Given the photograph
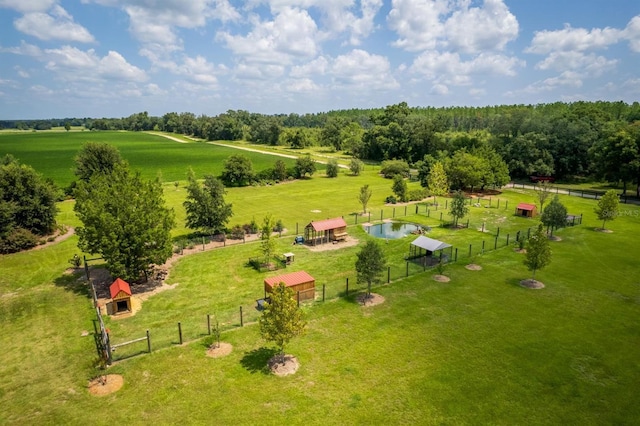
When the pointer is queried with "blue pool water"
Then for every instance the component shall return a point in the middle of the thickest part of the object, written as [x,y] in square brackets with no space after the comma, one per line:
[392,230]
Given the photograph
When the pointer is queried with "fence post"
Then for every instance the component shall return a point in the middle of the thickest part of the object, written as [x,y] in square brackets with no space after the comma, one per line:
[428,213]
[416,209]
[506,204]
[347,292]
[202,243]
[388,274]
[407,269]
[456,258]
[482,226]
[148,342]
[298,297]
[209,324]
[469,250]
[381,211]
[482,246]
[446,204]
[489,202]
[323,291]
[394,212]
[495,244]
[528,233]
[441,218]
[405,210]
[241,318]
[356,218]
[180,332]
[498,204]
[467,223]
[498,232]
[507,239]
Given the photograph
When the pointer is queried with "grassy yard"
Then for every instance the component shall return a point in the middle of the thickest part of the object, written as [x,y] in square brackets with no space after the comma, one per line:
[478,350]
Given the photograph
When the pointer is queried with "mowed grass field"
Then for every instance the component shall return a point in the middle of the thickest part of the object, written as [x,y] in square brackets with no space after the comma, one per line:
[478,350]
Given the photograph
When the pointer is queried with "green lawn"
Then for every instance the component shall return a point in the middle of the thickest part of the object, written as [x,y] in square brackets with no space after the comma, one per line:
[478,350]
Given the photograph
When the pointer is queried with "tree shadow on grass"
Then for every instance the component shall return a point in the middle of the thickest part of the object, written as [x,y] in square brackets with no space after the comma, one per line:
[74,282]
[256,361]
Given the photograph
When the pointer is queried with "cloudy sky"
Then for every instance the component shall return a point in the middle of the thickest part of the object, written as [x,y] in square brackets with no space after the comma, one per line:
[111,58]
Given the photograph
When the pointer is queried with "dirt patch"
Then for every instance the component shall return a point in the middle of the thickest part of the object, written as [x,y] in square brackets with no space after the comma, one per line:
[531,283]
[521,251]
[473,267]
[348,242]
[441,278]
[104,385]
[283,366]
[218,352]
[56,238]
[555,238]
[372,299]
[604,231]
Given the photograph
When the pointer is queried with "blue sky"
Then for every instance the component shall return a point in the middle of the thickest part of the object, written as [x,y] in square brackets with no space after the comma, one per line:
[112,58]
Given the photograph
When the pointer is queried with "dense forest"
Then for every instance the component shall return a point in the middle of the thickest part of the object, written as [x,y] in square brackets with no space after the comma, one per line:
[599,140]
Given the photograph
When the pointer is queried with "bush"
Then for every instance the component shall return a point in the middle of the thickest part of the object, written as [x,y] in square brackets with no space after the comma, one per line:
[17,240]
[279,226]
[332,168]
[417,194]
[390,200]
[390,168]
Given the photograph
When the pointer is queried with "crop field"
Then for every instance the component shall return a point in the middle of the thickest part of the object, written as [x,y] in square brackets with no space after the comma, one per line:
[477,350]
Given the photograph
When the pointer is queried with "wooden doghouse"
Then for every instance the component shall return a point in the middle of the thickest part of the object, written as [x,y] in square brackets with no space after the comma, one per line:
[526,210]
[300,282]
[120,296]
[325,231]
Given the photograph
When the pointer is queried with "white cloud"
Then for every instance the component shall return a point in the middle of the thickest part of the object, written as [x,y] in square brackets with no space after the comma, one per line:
[632,33]
[154,89]
[592,64]
[292,34]
[55,25]
[317,66]
[27,6]
[568,79]
[432,24]
[302,85]
[573,39]
[449,67]
[439,90]
[362,70]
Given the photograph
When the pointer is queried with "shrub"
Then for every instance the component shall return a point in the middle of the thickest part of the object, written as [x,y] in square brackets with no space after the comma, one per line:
[17,240]
[390,168]
[417,194]
[279,226]
[390,200]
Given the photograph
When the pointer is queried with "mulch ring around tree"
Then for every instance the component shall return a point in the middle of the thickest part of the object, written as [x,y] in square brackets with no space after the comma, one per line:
[555,238]
[372,299]
[441,278]
[219,351]
[104,385]
[283,365]
[473,267]
[605,231]
[531,283]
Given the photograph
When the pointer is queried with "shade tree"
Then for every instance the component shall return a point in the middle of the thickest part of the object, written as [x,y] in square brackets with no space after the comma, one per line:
[554,215]
[205,204]
[370,264]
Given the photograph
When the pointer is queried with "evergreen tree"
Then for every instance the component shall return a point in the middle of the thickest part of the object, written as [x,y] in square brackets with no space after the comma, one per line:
[205,205]
[399,188]
[554,215]
[268,245]
[437,182]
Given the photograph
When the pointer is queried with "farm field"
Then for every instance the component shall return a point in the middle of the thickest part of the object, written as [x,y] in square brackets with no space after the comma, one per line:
[479,349]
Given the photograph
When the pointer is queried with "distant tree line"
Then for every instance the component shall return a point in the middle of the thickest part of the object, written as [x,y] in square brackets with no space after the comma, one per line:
[566,140]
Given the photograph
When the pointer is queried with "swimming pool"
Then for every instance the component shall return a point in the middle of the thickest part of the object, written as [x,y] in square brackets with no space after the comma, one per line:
[393,230]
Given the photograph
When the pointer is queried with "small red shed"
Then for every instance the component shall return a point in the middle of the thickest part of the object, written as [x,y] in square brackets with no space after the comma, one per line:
[324,231]
[526,210]
[121,296]
[300,282]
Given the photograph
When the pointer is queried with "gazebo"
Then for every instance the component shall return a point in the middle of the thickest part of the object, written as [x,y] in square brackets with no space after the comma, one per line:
[120,296]
[526,210]
[303,284]
[324,231]
[425,247]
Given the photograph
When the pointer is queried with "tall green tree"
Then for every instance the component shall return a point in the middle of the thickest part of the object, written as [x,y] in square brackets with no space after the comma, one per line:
[399,188]
[538,251]
[267,243]
[125,220]
[608,207]
[364,196]
[205,204]
[96,158]
[554,215]
[356,166]
[237,170]
[459,208]
[437,181]
[466,170]
[280,170]
[282,319]
[370,264]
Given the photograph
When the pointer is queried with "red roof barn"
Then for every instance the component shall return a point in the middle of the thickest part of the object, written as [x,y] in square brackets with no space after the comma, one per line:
[324,231]
[300,282]
[526,210]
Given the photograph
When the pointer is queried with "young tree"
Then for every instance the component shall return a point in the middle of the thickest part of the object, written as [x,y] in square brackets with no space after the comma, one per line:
[543,191]
[125,220]
[608,207]
[554,215]
[282,319]
[399,188]
[268,244]
[538,251]
[437,182]
[356,166]
[95,157]
[280,170]
[459,208]
[364,197]
[205,205]
[332,168]
[238,170]
[370,264]
[305,165]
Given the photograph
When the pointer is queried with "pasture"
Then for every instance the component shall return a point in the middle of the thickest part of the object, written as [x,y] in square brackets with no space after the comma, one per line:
[480,349]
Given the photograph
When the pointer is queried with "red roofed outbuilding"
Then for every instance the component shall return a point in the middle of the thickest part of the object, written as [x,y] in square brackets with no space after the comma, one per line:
[120,295]
[526,210]
[324,231]
[300,282]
